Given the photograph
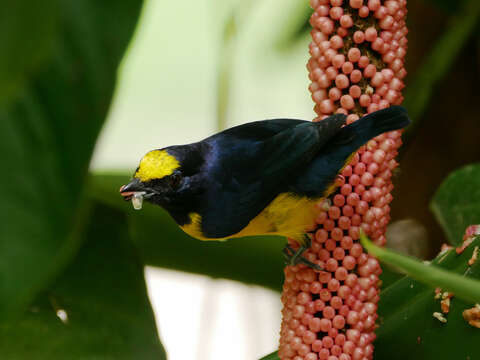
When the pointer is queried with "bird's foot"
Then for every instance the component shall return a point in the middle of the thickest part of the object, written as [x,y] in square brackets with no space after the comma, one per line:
[293,257]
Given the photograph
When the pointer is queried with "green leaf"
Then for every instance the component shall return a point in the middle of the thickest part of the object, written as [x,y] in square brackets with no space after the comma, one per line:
[456,204]
[389,275]
[26,40]
[432,275]
[252,260]
[272,356]
[408,329]
[49,133]
[104,296]
[439,60]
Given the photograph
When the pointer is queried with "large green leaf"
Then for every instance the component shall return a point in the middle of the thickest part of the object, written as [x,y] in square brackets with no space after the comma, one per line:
[253,260]
[272,356]
[104,297]
[408,329]
[26,40]
[47,135]
[456,203]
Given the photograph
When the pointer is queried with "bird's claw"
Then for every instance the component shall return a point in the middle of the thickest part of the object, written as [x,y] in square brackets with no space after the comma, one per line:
[293,257]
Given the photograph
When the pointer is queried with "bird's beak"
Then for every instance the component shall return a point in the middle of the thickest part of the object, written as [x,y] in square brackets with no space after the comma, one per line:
[134,186]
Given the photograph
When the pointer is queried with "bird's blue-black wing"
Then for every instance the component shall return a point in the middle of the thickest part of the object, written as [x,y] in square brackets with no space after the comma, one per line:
[321,172]
[248,171]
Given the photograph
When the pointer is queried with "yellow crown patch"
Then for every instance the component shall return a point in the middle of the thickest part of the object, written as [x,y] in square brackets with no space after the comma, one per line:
[156,164]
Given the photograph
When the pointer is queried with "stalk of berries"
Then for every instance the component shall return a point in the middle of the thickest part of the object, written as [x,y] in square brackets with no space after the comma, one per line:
[356,67]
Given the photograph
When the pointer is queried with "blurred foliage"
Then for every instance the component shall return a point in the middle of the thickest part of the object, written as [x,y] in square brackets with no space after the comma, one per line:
[296,26]
[104,296]
[23,49]
[49,130]
[456,203]
[48,127]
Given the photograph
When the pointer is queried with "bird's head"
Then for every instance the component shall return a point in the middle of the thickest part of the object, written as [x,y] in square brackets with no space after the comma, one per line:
[157,178]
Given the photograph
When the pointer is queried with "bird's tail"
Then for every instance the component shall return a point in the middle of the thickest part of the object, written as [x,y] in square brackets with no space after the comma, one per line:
[372,125]
[318,178]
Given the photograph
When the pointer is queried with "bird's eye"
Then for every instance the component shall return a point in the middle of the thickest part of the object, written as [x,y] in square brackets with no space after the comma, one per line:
[174,180]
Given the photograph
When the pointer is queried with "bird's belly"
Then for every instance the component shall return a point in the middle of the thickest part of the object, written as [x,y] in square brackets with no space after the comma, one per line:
[287,215]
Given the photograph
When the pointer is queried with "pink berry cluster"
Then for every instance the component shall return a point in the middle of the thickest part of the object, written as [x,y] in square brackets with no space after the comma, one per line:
[356,67]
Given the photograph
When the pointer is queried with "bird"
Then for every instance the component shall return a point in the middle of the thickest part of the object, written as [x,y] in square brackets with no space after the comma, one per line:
[260,178]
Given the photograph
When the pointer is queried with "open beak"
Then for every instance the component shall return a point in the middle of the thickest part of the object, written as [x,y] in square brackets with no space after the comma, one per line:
[134,186]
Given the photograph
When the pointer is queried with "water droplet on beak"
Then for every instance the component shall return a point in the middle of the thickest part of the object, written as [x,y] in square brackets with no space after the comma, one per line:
[62,315]
[137,200]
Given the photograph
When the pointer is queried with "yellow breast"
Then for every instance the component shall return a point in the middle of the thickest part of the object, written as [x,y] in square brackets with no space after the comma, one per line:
[287,215]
